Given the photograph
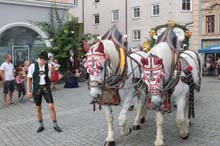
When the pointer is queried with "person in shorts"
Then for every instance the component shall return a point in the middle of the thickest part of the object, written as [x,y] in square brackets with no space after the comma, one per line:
[7,75]
[39,73]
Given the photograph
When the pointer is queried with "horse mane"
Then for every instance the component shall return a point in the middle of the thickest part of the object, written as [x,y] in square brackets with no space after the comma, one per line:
[168,36]
[163,51]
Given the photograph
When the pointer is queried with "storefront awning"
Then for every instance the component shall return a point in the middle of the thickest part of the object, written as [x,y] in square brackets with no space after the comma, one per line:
[210,49]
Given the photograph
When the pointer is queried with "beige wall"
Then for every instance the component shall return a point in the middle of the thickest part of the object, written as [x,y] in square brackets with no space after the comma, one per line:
[76,11]
[169,10]
[207,7]
[195,31]
[104,9]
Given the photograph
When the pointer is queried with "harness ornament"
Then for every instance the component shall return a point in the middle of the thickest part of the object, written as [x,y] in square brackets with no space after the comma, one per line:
[152,72]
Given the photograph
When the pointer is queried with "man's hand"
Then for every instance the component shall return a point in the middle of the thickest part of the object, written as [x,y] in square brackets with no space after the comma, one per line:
[29,94]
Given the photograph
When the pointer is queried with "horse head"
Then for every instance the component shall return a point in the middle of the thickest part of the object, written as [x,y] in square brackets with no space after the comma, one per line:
[95,64]
[153,75]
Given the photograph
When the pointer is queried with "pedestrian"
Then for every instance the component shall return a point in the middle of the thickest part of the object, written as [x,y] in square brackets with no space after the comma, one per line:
[70,79]
[54,77]
[26,66]
[7,75]
[218,67]
[40,75]
[20,79]
[56,74]
[25,70]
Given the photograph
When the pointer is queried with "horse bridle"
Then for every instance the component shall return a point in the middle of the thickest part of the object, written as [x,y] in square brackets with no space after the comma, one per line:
[93,83]
[120,85]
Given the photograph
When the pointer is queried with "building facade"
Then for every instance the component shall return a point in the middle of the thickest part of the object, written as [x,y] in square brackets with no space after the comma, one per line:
[134,18]
[19,35]
[206,30]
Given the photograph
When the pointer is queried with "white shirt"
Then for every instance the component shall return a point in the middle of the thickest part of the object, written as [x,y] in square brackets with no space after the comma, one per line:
[8,69]
[31,71]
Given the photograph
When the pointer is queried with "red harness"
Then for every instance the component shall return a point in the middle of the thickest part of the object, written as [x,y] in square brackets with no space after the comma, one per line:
[152,73]
[94,62]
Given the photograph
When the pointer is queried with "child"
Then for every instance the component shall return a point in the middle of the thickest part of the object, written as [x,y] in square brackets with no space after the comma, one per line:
[55,78]
[20,78]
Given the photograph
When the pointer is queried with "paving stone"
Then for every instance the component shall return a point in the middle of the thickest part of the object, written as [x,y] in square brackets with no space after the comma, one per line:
[83,127]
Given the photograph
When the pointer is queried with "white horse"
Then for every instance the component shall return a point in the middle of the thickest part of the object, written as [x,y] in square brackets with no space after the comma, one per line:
[159,75]
[103,60]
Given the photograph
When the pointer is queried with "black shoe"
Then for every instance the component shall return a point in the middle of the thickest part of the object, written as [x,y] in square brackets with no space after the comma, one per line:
[40,129]
[58,129]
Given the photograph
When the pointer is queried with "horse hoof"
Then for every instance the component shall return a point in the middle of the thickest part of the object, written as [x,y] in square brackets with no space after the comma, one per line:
[185,137]
[109,143]
[136,127]
[142,121]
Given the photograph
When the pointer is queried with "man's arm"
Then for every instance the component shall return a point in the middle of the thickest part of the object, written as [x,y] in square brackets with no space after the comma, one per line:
[29,94]
[29,79]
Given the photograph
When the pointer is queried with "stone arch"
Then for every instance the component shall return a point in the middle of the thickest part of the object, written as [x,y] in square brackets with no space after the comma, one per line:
[30,26]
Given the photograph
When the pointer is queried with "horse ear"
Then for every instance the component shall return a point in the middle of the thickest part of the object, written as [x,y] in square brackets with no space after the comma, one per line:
[160,61]
[86,46]
[100,48]
[144,61]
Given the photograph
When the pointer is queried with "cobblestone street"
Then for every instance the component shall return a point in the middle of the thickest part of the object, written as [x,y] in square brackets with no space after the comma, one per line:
[83,127]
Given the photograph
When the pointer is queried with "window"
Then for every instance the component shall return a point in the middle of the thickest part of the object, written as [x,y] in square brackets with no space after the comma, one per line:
[136,35]
[97,1]
[210,23]
[136,12]
[74,2]
[156,10]
[115,15]
[186,5]
[96,18]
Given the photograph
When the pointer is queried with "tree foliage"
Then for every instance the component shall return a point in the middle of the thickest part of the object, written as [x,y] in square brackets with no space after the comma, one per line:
[64,35]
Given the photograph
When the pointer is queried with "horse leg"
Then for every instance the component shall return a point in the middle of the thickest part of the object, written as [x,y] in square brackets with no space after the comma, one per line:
[109,118]
[159,123]
[123,117]
[182,120]
[141,113]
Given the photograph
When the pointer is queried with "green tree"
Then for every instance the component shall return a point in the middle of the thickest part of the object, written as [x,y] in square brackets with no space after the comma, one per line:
[64,33]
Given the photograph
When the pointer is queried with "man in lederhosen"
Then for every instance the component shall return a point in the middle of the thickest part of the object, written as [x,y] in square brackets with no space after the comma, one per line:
[40,75]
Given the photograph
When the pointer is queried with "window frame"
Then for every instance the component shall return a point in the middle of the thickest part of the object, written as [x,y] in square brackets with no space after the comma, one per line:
[181,6]
[113,12]
[152,9]
[94,19]
[133,12]
[75,2]
[135,36]
[208,22]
